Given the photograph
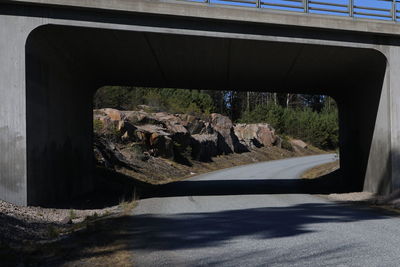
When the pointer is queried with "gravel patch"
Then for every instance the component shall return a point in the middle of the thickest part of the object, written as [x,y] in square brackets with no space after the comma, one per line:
[356,196]
[392,199]
[390,202]
[19,225]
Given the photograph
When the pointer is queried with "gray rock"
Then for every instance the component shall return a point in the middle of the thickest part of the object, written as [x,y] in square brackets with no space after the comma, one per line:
[255,135]
[204,146]
[66,220]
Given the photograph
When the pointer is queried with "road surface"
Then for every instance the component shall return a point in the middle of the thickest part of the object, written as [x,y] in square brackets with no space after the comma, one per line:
[246,228]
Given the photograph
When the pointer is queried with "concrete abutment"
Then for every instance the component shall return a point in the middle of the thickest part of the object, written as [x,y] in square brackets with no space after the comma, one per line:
[59,123]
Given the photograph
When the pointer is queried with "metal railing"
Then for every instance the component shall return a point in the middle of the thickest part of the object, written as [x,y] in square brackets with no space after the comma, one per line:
[373,9]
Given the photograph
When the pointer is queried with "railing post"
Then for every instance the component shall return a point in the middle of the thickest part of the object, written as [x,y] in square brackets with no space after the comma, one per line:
[305,5]
[394,10]
[258,4]
[351,8]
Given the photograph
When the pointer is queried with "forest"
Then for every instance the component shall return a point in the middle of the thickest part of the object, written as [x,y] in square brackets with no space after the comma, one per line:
[312,118]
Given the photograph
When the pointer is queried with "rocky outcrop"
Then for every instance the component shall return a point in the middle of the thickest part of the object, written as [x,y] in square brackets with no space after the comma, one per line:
[255,135]
[175,136]
[298,143]
[157,132]
[205,146]
[228,142]
[224,127]
[192,123]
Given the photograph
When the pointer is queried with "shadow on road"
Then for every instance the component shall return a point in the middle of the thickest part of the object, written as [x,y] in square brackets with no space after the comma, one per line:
[112,187]
[324,185]
[197,230]
[203,230]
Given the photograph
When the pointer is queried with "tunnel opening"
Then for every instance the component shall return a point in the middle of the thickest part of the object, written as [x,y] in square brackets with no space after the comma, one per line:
[162,135]
[65,65]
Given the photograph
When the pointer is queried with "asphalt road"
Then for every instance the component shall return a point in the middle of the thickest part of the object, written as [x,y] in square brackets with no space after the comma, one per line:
[240,227]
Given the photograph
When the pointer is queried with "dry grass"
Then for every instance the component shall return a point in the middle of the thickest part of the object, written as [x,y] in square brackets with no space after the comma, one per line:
[98,241]
[321,170]
[127,206]
[114,254]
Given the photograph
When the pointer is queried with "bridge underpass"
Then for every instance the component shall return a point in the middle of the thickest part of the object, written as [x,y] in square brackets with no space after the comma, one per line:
[46,124]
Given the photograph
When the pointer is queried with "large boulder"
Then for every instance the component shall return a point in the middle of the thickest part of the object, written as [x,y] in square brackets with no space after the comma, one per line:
[255,134]
[156,137]
[174,126]
[226,137]
[157,141]
[138,117]
[101,116]
[162,145]
[172,123]
[109,155]
[204,146]
[298,143]
[207,129]
[192,123]
[114,122]
[144,132]
[112,114]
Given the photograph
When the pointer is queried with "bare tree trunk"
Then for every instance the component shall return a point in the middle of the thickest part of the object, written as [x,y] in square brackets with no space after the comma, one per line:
[248,101]
[329,102]
[232,107]
[287,100]
[222,102]
[262,98]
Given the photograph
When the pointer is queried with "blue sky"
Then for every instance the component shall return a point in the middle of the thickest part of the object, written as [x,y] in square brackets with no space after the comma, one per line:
[362,3]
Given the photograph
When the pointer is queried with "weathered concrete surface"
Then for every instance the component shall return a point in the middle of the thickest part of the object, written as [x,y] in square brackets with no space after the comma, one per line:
[226,12]
[53,59]
[13,167]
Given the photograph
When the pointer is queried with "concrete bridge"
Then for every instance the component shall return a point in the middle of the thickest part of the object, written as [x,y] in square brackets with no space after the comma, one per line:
[54,54]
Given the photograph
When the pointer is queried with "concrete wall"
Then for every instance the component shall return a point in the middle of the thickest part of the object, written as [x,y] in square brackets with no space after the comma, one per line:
[59,121]
[13,158]
[46,123]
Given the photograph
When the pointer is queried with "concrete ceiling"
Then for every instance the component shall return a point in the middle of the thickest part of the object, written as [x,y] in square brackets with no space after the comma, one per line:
[112,57]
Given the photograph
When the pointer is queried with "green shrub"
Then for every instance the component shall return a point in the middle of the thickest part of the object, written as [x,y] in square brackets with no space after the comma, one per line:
[318,128]
[98,126]
[72,214]
[285,144]
[159,99]
[138,150]
[52,231]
